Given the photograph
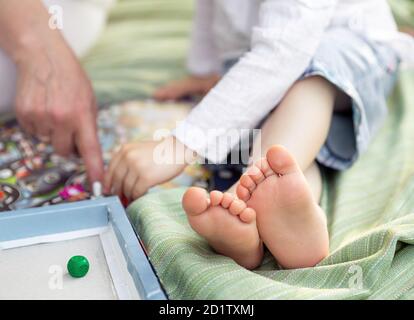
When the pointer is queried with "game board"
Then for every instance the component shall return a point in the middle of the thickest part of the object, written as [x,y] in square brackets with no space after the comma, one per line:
[37,243]
[31,175]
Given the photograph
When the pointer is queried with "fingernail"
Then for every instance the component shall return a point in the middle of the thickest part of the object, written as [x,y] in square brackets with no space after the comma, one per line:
[97,189]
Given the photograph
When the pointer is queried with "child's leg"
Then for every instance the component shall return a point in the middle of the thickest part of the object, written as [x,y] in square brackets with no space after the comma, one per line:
[289,219]
[300,123]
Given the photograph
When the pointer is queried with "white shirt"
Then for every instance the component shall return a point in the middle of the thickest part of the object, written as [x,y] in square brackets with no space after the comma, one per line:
[276,40]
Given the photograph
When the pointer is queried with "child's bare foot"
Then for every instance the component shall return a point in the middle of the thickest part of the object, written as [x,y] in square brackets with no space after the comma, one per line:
[189,86]
[227,224]
[289,219]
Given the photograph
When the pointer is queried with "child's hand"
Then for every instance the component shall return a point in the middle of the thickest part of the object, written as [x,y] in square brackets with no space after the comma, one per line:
[139,166]
[188,86]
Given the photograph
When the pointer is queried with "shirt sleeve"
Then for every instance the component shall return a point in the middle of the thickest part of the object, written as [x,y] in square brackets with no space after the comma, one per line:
[202,57]
[283,44]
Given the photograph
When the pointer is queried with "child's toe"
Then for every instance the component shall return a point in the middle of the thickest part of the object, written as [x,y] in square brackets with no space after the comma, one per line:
[237,206]
[248,215]
[195,201]
[227,200]
[216,197]
[247,182]
[264,166]
[281,161]
[256,174]
[242,193]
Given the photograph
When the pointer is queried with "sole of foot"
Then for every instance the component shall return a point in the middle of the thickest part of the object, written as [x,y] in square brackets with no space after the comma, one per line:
[291,223]
[226,223]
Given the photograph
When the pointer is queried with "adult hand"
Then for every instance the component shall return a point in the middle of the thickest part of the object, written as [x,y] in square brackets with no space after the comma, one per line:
[54,99]
[55,102]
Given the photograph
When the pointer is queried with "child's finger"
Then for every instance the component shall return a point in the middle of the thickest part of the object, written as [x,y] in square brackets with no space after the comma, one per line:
[129,183]
[119,176]
[139,189]
[108,181]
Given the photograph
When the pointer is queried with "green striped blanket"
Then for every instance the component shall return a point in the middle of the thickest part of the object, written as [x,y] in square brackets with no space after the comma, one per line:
[371,222]
[370,208]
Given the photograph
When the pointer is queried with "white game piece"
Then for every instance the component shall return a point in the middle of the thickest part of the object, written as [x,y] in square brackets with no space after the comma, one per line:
[97,189]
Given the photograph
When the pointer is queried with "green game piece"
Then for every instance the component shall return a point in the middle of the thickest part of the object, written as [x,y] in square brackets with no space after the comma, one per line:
[78,266]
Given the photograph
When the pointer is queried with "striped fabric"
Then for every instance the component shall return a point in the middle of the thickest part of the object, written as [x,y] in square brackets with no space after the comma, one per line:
[371,222]
[143,46]
[370,207]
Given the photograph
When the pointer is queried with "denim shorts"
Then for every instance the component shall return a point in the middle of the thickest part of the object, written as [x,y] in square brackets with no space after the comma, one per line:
[366,72]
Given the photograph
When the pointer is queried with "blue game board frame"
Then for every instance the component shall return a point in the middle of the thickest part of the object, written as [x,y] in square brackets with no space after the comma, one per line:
[87,214]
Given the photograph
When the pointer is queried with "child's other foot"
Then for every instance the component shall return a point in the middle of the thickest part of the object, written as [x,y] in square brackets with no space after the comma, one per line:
[227,224]
[290,221]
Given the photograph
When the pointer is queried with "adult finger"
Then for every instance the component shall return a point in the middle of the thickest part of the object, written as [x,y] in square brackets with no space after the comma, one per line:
[63,129]
[24,121]
[42,122]
[23,104]
[87,143]
[36,104]
[63,142]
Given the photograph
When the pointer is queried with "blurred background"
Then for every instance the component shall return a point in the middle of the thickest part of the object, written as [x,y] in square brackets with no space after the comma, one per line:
[145,43]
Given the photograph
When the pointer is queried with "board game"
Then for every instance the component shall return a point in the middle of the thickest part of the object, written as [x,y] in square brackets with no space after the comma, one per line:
[31,175]
[80,224]
[38,244]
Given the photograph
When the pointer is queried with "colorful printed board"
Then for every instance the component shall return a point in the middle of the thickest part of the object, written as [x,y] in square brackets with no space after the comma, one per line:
[31,175]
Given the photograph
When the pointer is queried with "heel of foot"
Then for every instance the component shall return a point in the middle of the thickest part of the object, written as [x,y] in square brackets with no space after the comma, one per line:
[306,260]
